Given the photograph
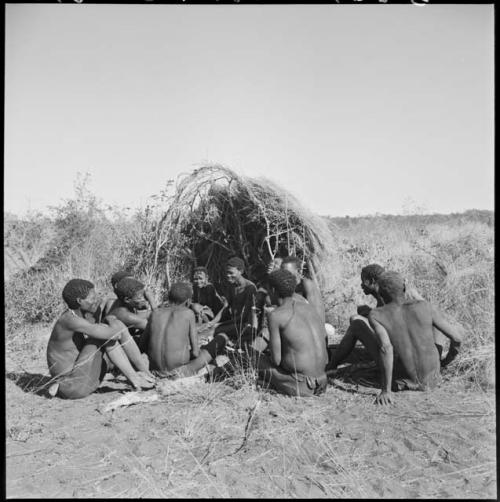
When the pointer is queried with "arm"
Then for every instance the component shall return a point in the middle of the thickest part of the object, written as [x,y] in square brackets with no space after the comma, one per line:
[454,333]
[387,359]
[274,339]
[313,296]
[145,336]
[100,331]
[132,320]
[193,336]
[216,319]
[148,295]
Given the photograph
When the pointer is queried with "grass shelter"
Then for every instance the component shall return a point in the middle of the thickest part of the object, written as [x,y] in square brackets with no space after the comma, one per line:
[216,213]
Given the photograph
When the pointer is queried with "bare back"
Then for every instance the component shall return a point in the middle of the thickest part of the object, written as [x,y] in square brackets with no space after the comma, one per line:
[302,336]
[410,329]
[64,346]
[168,331]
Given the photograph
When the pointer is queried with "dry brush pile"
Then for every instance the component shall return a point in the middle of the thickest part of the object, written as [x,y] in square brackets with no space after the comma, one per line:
[216,213]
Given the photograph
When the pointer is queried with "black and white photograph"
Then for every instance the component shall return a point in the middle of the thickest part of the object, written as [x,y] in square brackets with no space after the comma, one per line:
[249,250]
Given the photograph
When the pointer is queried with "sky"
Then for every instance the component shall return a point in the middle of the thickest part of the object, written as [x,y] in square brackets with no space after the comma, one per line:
[355,109]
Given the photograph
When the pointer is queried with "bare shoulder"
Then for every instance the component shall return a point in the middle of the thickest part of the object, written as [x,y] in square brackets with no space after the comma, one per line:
[417,305]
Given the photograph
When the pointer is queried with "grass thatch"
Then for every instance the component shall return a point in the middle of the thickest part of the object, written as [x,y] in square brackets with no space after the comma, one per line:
[217,213]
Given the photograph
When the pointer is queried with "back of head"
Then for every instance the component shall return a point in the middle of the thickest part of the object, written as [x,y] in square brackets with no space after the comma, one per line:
[283,282]
[391,285]
[372,272]
[128,287]
[118,276]
[236,263]
[74,289]
[180,292]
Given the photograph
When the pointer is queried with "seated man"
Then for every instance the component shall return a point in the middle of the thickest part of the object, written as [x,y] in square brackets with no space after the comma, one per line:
[298,351]
[108,305]
[400,335]
[80,351]
[170,338]
[241,325]
[130,307]
[369,278]
[308,289]
[206,301]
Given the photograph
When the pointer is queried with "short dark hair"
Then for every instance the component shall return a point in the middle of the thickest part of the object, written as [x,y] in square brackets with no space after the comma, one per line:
[127,287]
[200,269]
[372,272]
[236,263]
[284,282]
[294,260]
[180,292]
[391,284]
[118,276]
[74,289]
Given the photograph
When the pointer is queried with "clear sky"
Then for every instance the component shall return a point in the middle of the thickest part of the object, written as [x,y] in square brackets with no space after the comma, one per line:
[355,109]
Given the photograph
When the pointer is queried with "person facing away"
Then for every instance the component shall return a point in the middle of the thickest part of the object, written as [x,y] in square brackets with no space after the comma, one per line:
[298,351]
[206,301]
[111,303]
[369,285]
[402,337]
[304,286]
[240,296]
[171,339]
[81,351]
[131,306]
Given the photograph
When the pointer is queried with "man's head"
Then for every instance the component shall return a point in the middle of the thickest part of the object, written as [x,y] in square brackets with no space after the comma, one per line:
[283,282]
[294,265]
[200,277]
[391,286]
[80,294]
[234,269]
[130,291]
[180,292]
[369,278]
[118,276]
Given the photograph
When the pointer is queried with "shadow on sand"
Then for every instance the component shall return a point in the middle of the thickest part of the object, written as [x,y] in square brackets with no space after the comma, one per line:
[35,383]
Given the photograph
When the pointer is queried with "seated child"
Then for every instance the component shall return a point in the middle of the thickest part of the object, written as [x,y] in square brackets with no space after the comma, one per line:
[206,301]
[171,340]
[80,351]
[298,351]
[111,303]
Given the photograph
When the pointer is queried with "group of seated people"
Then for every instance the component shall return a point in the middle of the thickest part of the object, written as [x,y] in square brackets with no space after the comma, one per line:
[279,326]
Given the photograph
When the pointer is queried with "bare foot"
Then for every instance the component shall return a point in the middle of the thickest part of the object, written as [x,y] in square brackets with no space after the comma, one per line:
[147,375]
[140,383]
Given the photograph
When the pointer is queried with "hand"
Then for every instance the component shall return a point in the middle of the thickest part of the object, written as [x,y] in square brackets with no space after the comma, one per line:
[385,397]
[452,353]
[110,318]
[225,303]
[363,310]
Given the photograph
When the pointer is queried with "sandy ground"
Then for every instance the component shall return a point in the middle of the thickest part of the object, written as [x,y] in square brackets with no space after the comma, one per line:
[233,441]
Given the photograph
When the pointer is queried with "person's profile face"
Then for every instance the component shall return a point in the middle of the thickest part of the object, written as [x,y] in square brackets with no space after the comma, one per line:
[90,303]
[232,274]
[137,301]
[291,267]
[200,279]
[368,286]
